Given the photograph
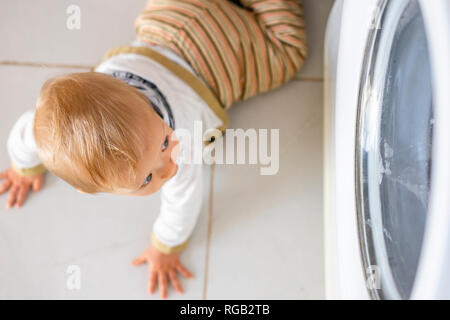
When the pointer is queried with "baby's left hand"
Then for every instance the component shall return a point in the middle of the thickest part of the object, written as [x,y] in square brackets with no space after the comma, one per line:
[162,266]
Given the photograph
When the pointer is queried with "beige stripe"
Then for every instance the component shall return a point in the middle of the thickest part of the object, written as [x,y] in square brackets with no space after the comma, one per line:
[28,172]
[165,248]
[191,80]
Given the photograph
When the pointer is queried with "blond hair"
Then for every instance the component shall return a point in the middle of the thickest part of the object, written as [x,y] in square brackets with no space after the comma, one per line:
[87,129]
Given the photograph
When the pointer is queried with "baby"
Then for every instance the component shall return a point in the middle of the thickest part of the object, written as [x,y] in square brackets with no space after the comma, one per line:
[114,129]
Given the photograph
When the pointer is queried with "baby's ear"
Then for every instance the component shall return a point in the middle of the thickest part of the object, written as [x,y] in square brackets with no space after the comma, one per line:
[80,191]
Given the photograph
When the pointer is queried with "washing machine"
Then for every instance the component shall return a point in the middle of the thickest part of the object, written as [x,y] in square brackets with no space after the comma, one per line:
[387,150]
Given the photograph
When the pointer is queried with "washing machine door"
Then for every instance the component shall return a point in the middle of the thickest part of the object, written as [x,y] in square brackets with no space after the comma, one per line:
[433,279]
[401,178]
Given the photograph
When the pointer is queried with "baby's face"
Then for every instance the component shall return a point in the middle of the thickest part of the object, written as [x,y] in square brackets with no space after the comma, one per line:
[157,164]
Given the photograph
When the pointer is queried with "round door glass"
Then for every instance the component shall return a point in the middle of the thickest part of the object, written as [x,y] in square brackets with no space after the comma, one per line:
[394,142]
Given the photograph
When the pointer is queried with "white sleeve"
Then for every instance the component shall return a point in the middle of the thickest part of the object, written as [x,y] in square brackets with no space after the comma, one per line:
[21,146]
[181,201]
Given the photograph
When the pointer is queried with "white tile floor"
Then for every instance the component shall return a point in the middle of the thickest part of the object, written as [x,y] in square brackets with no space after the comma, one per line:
[262,236]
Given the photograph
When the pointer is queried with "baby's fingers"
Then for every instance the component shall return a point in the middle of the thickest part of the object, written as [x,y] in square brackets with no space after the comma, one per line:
[184,271]
[162,283]
[152,281]
[138,261]
[3,174]
[174,280]
[12,196]
[5,186]
[22,193]
[37,183]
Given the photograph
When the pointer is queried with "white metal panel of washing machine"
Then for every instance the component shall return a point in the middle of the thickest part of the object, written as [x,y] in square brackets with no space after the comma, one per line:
[344,271]
[329,183]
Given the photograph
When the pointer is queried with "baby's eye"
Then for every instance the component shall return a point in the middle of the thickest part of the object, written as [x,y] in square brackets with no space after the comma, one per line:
[148,179]
[165,144]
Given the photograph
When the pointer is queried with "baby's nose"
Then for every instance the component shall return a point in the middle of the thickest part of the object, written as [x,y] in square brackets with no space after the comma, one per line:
[175,151]
[169,171]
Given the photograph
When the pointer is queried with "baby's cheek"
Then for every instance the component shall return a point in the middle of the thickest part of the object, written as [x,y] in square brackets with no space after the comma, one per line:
[154,188]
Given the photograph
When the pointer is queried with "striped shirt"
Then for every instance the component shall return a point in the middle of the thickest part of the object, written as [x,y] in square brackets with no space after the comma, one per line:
[239,52]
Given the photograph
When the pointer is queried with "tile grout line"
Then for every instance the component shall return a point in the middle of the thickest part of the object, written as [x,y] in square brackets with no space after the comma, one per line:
[310,79]
[208,237]
[78,66]
[43,65]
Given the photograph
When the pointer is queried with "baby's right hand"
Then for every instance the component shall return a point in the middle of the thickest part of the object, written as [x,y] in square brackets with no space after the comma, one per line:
[162,266]
[19,186]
